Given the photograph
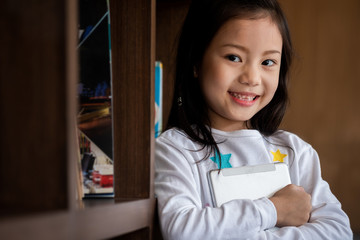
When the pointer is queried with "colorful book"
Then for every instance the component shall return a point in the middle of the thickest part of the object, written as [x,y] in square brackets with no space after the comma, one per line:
[158,97]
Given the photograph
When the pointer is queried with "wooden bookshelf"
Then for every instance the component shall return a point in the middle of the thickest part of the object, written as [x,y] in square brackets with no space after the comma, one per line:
[39,74]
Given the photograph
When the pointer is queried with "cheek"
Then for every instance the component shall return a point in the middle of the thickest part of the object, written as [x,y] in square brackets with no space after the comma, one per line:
[274,86]
[272,83]
[213,80]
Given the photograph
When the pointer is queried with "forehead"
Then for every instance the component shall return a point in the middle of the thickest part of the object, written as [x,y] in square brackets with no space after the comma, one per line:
[262,32]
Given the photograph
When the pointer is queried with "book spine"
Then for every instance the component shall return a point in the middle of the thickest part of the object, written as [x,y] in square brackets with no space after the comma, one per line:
[158,97]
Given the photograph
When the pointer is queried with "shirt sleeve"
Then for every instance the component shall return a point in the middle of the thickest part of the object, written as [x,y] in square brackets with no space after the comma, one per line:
[327,219]
[182,214]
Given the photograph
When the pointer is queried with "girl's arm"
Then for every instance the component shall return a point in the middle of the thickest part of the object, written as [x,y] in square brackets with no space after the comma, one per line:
[327,219]
[181,210]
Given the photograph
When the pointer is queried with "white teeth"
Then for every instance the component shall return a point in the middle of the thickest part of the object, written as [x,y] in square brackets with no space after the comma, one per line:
[243,97]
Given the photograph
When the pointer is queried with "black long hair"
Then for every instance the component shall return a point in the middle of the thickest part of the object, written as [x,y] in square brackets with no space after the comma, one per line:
[204,19]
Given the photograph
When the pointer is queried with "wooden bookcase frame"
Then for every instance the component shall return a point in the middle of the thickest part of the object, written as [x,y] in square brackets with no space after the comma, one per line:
[38,107]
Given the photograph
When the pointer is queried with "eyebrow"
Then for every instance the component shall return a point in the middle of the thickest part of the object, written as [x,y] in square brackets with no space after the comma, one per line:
[242,48]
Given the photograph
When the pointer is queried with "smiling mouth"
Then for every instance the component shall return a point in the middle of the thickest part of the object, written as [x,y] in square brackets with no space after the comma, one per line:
[244,97]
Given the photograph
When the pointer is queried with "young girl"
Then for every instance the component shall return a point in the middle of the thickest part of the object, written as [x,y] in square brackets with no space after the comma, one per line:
[230,97]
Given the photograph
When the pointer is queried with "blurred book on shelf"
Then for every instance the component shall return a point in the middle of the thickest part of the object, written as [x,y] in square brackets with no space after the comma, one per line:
[158,97]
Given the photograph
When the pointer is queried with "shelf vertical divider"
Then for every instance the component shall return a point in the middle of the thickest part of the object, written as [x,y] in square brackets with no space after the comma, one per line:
[133,63]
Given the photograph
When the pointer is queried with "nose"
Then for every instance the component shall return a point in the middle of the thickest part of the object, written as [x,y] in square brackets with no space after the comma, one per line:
[250,75]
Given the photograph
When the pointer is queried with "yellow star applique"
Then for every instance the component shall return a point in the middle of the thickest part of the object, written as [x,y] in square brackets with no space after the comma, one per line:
[278,156]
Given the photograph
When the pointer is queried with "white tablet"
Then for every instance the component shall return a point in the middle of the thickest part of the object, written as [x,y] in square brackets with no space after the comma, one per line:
[248,182]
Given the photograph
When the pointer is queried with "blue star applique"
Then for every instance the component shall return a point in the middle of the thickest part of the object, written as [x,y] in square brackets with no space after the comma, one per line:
[225,160]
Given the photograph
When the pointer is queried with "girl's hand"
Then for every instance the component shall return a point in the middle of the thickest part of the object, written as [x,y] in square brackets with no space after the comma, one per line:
[293,206]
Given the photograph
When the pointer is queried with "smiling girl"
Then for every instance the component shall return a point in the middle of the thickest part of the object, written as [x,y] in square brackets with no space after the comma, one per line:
[230,97]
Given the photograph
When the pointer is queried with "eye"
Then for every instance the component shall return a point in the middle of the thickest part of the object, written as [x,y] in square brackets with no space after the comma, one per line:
[268,62]
[233,58]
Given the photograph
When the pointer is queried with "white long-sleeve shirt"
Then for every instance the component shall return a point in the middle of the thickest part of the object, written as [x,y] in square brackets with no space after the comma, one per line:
[186,210]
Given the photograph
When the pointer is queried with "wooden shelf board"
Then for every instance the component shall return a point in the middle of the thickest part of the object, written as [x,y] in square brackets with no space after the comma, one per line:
[92,223]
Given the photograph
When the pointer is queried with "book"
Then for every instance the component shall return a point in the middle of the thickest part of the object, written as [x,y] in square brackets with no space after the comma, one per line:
[248,182]
[158,97]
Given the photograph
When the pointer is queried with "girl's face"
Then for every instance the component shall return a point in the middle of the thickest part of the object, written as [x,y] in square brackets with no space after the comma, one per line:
[240,70]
